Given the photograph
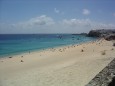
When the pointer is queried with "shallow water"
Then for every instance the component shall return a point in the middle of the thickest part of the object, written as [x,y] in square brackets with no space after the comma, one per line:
[11,44]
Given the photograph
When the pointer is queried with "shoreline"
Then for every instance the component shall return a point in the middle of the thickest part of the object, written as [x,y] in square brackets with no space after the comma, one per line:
[62,66]
[11,51]
[41,50]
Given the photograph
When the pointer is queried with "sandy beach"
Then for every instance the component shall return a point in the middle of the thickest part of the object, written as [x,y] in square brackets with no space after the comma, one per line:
[73,65]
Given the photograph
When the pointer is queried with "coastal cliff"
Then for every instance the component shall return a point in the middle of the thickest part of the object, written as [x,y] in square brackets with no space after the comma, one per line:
[106,33]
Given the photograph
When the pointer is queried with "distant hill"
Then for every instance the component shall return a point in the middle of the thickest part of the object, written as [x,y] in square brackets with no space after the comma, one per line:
[108,34]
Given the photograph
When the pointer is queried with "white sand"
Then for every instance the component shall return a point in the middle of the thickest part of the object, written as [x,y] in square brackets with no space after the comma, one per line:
[65,67]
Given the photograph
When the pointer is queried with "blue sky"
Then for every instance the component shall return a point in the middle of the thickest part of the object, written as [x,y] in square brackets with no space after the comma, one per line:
[56,16]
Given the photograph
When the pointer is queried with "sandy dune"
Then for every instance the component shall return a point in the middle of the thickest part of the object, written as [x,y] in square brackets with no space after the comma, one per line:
[73,65]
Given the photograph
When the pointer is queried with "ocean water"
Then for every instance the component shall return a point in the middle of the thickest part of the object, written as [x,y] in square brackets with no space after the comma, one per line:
[11,44]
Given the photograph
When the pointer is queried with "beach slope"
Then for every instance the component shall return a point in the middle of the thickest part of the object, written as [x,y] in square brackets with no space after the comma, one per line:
[73,65]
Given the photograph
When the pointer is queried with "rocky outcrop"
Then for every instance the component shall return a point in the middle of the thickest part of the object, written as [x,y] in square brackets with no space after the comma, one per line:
[102,33]
[112,83]
[106,77]
[110,37]
[113,44]
[94,33]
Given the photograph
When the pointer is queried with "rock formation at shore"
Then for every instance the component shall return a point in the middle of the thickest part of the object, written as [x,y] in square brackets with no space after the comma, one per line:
[106,33]
[106,77]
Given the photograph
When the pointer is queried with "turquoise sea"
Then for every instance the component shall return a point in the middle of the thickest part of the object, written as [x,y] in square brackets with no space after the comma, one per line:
[11,44]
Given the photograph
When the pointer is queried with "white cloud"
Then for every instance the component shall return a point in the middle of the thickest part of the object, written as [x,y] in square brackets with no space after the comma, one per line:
[56,10]
[86,23]
[45,24]
[42,20]
[77,22]
[86,12]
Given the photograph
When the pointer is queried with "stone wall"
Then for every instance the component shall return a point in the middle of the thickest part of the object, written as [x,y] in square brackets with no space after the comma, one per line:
[106,77]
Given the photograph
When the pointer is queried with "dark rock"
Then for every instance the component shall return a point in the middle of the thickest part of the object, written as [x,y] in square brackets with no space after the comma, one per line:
[110,37]
[10,57]
[113,44]
[101,33]
[106,77]
[112,83]
[82,50]
[22,61]
[94,33]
